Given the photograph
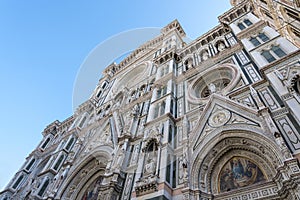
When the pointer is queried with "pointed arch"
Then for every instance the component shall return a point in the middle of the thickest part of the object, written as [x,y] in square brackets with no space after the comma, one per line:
[208,161]
[83,173]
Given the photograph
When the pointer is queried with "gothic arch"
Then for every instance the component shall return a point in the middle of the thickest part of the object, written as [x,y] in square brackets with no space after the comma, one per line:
[85,172]
[188,62]
[208,161]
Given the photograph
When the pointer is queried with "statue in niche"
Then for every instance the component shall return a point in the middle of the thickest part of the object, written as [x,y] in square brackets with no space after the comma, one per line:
[221,46]
[212,88]
[181,170]
[150,159]
[135,111]
[205,55]
[285,151]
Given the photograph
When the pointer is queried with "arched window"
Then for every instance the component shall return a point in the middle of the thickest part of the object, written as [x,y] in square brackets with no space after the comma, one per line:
[254,41]
[161,92]
[28,167]
[18,181]
[241,26]
[43,188]
[274,53]
[69,144]
[268,56]
[172,107]
[156,111]
[58,162]
[244,24]
[104,85]
[162,108]
[82,122]
[99,93]
[45,143]
[278,51]
[247,22]
[263,37]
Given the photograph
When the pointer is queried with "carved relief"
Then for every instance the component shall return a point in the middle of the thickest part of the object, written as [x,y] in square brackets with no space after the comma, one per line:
[127,187]
[252,73]
[290,133]
[135,153]
[219,118]
[269,99]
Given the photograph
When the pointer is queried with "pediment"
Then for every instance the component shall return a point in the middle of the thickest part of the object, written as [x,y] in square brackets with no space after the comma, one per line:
[222,113]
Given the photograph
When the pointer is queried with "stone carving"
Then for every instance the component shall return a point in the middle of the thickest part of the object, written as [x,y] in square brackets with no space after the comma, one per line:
[290,133]
[212,88]
[219,118]
[135,154]
[146,185]
[135,110]
[127,186]
[269,99]
[119,161]
[278,74]
[256,98]
[285,151]
[221,46]
[150,165]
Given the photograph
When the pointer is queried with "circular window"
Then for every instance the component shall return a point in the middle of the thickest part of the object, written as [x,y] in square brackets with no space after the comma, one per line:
[219,79]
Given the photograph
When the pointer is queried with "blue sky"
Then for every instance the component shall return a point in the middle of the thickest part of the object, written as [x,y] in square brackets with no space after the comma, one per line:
[43,44]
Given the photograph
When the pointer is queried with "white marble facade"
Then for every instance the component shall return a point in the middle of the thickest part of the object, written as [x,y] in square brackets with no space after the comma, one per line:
[218,118]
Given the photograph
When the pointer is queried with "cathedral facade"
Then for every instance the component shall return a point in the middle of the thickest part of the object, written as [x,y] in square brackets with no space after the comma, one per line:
[217,118]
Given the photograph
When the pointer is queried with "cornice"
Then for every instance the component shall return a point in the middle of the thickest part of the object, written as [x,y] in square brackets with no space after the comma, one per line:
[135,55]
[174,25]
[235,13]
[204,39]
[245,89]
[252,30]
[282,61]
[209,62]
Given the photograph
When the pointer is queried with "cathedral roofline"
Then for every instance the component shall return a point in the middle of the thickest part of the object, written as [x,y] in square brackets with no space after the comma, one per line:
[174,25]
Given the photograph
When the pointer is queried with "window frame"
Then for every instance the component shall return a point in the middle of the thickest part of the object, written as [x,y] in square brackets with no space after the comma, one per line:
[30,164]
[43,188]
[58,162]
[245,23]
[18,182]
[45,143]
[274,55]
[68,146]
